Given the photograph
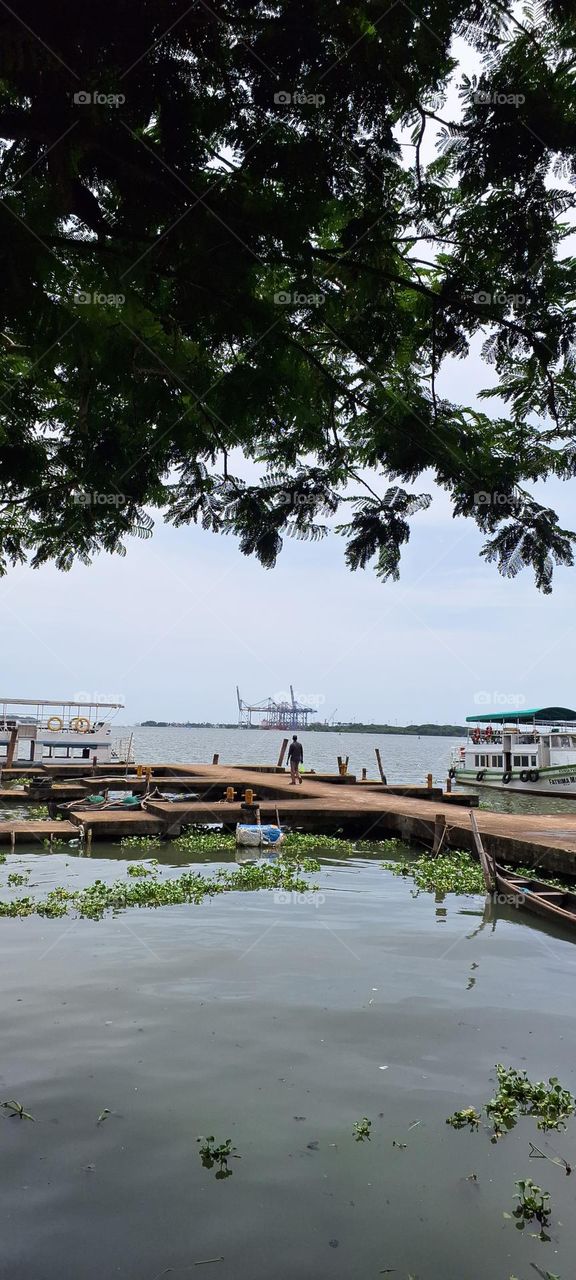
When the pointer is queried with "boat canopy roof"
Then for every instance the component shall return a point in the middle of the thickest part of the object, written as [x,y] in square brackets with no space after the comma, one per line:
[536,715]
[59,702]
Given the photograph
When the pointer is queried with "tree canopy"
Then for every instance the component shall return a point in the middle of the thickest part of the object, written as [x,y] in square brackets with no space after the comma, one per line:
[260,228]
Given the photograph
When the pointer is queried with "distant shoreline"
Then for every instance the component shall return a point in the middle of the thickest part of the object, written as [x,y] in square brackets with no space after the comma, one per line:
[411,730]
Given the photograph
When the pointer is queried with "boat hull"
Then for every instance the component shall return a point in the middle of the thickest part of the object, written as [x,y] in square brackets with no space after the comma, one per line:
[550,782]
[537,896]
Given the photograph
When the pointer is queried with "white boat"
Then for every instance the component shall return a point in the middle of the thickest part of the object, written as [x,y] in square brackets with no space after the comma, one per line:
[256,836]
[531,752]
[42,731]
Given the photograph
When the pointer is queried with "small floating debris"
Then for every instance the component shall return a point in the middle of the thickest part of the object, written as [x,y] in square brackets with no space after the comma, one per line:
[16,1109]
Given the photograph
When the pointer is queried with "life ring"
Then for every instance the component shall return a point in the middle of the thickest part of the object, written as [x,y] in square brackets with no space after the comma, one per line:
[80,724]
[54,724]
[451,773]
[479,776]
[524,776]
[533,775]
[506,777]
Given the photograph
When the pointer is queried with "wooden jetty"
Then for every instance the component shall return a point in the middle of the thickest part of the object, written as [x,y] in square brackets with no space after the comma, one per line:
[322,804]
[34,831]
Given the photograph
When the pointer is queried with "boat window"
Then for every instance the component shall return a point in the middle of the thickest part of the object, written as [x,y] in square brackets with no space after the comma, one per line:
[533,760]
[516,760]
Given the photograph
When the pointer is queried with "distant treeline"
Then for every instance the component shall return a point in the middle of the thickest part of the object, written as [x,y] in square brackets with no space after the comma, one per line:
[184,724]
[419,730]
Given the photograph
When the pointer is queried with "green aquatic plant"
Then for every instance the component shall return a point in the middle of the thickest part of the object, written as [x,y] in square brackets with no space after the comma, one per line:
[393,845]
[38,812]
[2,857]
[53,842]
[550,1105]
[190,887]
[361,1129]
[16,877]
[201,840]
[138,869]
[140,842]
[453,872]
[210,1154]
[16,1109]
[469,1118]
[533,1206]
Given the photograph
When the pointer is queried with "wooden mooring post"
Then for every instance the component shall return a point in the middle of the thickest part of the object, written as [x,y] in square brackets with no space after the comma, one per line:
[380,769]
[283,750]
[439,832]
[215,758]
[487,870]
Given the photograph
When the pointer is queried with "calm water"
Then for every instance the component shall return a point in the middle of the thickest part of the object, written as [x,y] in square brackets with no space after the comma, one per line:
[278,1024]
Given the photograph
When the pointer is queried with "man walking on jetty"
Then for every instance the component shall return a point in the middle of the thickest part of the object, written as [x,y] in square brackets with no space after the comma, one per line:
[295,758]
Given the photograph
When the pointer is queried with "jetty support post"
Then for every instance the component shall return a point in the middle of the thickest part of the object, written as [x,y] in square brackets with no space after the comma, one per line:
[449,786]
[250,813]
[429,781]
[439,833]
[12,839]
[215,758]
[89,842]
[380,769]
[283,750]
[11,749]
